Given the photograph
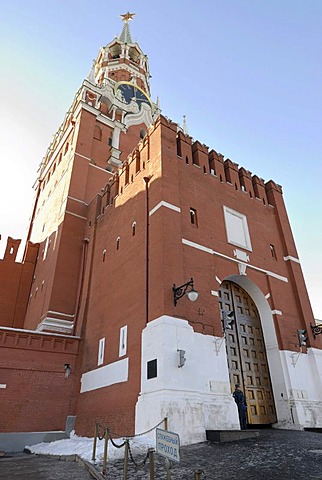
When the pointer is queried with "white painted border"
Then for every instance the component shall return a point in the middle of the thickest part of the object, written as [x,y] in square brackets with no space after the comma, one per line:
[213,252]
[230,212]
[101,350]
[116,372]
[293,259]
[123,341]
[164,204]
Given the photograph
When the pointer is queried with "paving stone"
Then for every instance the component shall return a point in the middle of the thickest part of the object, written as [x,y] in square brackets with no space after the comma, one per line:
[273,455]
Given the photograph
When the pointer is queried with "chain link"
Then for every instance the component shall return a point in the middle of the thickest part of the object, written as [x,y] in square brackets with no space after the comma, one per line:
[141,464]
[115,444]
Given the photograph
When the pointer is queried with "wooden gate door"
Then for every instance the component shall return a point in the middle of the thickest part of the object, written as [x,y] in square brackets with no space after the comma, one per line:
[246,353]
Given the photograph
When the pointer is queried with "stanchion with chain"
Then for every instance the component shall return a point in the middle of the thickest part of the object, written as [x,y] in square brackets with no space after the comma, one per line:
[106,435]
[95,441]
[151,462]
[126,460]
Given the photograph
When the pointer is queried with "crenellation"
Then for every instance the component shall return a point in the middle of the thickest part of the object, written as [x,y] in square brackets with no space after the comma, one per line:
[270,188]
[245,178]
[232,173]
[184,146]
[200,155]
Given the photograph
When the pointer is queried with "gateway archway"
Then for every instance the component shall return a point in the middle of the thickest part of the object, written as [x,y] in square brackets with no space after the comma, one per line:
[246,352]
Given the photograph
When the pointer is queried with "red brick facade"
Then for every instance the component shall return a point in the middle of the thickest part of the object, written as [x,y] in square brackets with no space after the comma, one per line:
[127,206]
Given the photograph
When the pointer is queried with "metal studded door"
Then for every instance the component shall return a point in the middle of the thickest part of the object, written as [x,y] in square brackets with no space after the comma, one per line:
[246,352]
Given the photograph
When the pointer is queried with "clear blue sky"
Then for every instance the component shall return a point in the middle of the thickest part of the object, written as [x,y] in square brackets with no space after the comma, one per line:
[246,73]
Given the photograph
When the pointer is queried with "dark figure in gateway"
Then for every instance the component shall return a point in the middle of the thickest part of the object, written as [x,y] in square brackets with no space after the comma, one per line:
[240,400]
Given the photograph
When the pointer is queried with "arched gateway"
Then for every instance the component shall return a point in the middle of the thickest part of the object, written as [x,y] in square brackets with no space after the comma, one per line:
[246,353]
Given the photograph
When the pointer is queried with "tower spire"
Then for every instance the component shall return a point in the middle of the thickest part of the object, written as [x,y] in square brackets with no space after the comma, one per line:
[125,36]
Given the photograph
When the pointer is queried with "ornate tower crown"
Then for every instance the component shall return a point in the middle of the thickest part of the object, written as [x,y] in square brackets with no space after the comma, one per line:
[122,60]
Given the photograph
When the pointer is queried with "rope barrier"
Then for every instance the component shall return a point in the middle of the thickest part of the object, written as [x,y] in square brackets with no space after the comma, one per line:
[138,434]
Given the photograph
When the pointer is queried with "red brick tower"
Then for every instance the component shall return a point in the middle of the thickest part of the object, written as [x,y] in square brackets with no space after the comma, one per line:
[110,113]
[130,214]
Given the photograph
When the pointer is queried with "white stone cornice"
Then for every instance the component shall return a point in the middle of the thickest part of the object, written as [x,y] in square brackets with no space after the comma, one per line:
[56,150]
[213,252]
[36,332]
[55,325]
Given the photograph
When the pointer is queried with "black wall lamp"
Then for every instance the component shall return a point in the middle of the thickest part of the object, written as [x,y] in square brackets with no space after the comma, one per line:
[179,292]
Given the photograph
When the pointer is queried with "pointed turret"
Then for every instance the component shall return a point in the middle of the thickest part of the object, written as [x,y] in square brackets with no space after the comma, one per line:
[125,36]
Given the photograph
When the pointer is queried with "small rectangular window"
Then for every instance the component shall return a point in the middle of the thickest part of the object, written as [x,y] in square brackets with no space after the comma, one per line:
[193,216]
[123,341]
[101,348]
[152,369]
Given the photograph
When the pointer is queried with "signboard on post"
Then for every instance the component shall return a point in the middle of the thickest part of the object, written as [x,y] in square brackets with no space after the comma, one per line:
[168,444]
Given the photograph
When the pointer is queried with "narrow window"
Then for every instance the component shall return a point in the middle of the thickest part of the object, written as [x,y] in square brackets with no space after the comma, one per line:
[127,173]
[273,252]
[118,243]
[110,141]
[123,341]
[66,147]
[179,147]
[152,369]
[98,133]
[193,216]
[187,160]
[142,133]
[101,348]
[104,255]
[133,228]
[42,285]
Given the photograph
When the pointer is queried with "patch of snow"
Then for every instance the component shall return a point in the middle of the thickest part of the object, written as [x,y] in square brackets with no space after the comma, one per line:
[83,446]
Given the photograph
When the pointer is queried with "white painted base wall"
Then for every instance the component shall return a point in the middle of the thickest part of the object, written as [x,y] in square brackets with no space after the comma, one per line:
[197,396]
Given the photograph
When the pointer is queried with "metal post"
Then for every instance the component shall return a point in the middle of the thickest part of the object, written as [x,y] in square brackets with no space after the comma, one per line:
[95,441]
[166,423]
[151,462]
[126,459]
[168,467]
[198,474]
[106,435]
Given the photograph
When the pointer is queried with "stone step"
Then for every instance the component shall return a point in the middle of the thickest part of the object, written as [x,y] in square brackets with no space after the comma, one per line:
[221,436]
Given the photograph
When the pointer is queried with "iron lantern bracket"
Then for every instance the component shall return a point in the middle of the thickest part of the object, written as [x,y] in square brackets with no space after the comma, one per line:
[179,292]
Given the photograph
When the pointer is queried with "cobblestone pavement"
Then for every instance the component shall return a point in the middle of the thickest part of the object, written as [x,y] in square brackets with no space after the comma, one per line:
[273,455]
[32,467]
